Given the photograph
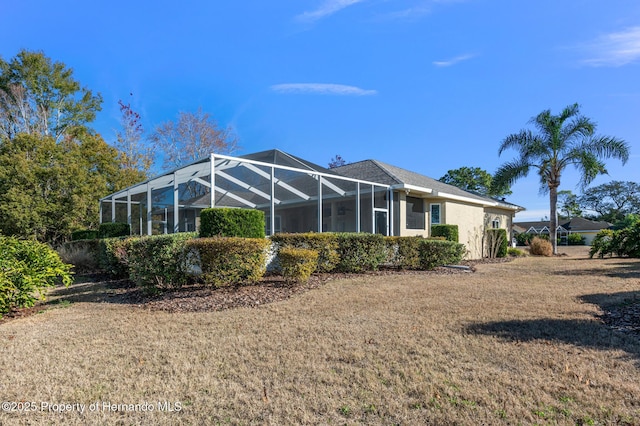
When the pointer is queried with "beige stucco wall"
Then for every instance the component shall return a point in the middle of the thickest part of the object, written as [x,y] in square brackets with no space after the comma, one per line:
[472,220]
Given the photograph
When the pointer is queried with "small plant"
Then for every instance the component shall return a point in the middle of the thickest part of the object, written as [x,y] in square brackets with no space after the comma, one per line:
[540,247]
[82,254]
[515,252]
[345,410]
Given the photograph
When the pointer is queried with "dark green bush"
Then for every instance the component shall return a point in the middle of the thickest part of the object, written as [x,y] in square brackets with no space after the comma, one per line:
[84,234]
[496,242]
[524,238]
[114,229]
[360,252]
[227,261]
[575,239]
[26,269]
[449,232]
[159,261]
[326,244]
[403,252]
[228,222]
[297,264]
[434,253]
[113,255]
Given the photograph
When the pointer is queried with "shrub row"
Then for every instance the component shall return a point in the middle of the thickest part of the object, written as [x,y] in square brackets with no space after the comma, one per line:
[26,269]
[449,232]
[297,264]
[350,252]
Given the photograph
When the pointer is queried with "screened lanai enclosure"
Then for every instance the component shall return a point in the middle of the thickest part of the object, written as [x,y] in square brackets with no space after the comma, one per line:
[295,196]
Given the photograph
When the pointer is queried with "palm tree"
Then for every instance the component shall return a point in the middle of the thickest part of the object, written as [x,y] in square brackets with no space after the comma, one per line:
[561,140]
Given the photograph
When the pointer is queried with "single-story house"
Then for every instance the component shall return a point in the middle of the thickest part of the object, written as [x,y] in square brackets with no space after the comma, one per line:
[577,225]
[299,196]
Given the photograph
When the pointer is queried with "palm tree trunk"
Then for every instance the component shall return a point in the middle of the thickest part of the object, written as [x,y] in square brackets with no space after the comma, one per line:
[553,217]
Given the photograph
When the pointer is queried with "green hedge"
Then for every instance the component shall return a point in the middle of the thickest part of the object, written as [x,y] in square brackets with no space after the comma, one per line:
[228,222]
[297,264]
[229,260]
[403,252]
[113,255]
[496,242]
[84,234]
[326,244]
[360,252]
[449,232]
[26,269]
[159,261]
[114,229]
[434,253]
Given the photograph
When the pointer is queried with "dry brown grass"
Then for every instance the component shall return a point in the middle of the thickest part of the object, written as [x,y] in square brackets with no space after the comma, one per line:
[516,342]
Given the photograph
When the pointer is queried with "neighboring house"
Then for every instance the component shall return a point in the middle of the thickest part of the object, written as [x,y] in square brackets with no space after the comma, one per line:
[577,225]
[299,196]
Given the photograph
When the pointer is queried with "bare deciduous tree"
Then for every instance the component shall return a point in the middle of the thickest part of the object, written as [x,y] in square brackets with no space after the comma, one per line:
[191,137]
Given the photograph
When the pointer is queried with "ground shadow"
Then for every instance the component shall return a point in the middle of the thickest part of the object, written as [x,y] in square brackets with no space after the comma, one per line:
[621,268]
[596,333]
[96,288]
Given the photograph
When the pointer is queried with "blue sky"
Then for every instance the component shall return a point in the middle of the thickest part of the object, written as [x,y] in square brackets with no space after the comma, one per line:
[428,85]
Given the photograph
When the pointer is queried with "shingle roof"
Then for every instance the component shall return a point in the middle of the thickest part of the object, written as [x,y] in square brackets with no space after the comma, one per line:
[576,224]
[377,171]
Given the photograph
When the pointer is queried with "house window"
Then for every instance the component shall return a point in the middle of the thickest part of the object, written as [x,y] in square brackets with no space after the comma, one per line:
[495,224]
[435,214]
[415,213]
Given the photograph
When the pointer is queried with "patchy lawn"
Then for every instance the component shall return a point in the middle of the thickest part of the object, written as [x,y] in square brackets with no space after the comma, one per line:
[533,341]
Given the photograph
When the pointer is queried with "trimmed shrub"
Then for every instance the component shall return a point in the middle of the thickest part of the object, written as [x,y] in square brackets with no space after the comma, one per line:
[114,229]
[434,253]
[575,239]
[540,247]
[449,232]
[82,254]
[297,264]
[158,261]
[360,252]
[514,252]
[228,222]
[84,234]
[403,252]
[227,261]
[113,255]
[496,243]
[326,244]
[26,269]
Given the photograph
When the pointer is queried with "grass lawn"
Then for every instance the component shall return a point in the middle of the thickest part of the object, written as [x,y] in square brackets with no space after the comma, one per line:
[513,343]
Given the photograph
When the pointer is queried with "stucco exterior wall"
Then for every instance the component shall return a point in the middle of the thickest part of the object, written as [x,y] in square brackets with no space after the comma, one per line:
[470,221]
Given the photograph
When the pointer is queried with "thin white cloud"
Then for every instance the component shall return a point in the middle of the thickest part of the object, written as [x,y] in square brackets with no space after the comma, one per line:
[454,61]
[615,49]
[329,7]
[407,14]
[321,89]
